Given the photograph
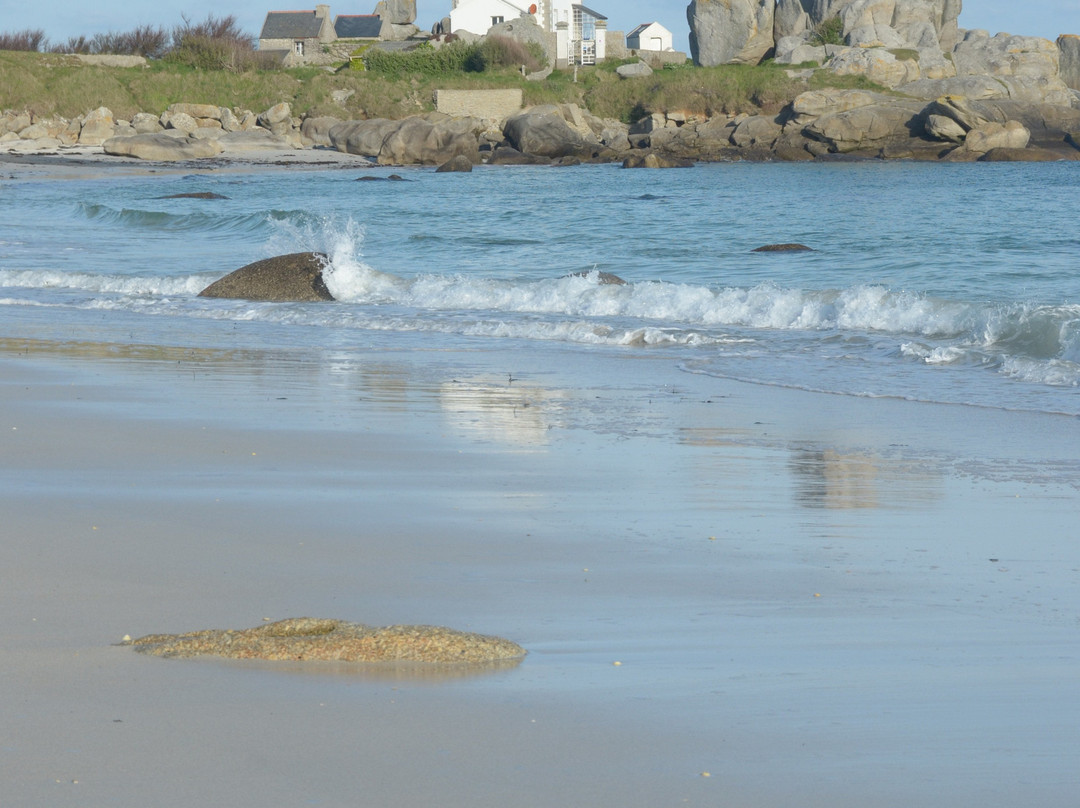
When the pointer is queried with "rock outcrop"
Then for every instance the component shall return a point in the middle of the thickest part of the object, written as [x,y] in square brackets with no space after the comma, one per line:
[421,140]
[555,130]
[296,277]
[730,31]
[396,12]
[1069,64]
[161,147]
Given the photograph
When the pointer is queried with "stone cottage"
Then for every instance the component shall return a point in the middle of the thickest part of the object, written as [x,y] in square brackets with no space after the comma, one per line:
[297,35]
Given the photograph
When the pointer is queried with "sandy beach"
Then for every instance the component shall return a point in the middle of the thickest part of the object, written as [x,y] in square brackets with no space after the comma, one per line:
[729,594]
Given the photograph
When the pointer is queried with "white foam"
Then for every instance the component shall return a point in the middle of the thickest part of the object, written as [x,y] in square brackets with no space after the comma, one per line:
[111,284]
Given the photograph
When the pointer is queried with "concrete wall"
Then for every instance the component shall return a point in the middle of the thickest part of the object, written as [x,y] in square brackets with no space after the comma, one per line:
[492,104]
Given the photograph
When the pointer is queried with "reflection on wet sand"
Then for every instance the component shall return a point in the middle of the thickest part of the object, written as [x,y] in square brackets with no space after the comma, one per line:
[831,479]
[510,412]
[823,478]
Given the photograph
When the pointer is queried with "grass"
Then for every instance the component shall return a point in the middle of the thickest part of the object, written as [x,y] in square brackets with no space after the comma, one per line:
[50,84]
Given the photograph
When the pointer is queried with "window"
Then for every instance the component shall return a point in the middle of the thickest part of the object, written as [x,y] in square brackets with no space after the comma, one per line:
[298,47]
[497,20]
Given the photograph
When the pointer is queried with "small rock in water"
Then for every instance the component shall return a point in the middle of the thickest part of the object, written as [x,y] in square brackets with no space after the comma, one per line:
[603,278]
[784,248]
[458,164]
[198,195]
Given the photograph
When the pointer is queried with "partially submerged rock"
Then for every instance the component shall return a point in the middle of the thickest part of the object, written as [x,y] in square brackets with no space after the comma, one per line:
[652,160]
[283,278]
[195,195]
[602,278]
[306,638]
[770,248]
[458,164]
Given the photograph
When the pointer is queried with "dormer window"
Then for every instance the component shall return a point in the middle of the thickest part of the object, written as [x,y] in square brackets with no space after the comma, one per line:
[497,20]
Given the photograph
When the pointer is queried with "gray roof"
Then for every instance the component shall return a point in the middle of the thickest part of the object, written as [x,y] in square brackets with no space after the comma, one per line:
[358,26]
[639,29]
[291,25]
[590,12]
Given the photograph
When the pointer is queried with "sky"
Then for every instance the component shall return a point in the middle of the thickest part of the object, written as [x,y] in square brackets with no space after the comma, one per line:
[61,19]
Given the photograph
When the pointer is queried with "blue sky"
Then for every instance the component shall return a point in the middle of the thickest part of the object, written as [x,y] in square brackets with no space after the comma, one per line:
[61,19]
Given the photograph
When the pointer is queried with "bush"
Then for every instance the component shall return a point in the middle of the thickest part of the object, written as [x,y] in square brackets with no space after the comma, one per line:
[224,29]
[32,39]
[828,32]
[423,59]
[217,43]
[502,51]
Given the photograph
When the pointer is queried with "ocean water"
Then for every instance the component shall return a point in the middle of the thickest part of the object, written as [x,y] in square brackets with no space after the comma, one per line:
[957,284]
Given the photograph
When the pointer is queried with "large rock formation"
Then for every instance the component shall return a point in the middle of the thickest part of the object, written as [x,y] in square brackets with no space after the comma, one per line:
[161,147]
[284,278]
[1069,66]
[551,130]
[396,12]
[417,141]
[913,24]
[422,140]
[730,31]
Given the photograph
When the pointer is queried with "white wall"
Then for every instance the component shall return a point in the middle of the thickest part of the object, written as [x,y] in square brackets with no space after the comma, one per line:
[475,15]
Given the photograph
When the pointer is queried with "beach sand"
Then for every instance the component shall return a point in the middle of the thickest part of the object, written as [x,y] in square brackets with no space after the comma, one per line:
[729,594]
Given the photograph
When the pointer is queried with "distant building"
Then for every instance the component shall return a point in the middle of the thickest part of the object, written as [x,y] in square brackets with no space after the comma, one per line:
[650,36]
[296,34]
[580,33]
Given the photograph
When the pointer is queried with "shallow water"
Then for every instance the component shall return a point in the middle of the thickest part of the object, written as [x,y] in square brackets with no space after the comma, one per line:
[820,600]
[955,284]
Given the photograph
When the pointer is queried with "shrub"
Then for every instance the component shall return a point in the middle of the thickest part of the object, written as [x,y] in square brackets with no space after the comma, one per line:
[217,43]
[828,32]
[502,51]
[423,59]
[142,41]
[31,39]
[219,28]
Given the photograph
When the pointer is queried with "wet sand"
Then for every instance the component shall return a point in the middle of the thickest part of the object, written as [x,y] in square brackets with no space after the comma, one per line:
[729,594]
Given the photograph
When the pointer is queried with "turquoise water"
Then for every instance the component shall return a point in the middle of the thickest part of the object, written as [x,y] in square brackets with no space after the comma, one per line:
[956,284]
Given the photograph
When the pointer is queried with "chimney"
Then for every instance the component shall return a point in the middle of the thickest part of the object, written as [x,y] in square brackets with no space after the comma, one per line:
[322,12]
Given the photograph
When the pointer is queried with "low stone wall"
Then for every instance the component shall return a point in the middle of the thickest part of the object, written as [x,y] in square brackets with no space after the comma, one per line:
[659,58]
[488,104]
[110,60]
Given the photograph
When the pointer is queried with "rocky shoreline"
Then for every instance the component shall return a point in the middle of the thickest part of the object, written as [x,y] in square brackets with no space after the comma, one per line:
[828,124]
[985,98]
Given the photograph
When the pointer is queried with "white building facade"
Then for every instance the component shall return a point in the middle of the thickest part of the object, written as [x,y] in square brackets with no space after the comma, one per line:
[650,36]
[580,32]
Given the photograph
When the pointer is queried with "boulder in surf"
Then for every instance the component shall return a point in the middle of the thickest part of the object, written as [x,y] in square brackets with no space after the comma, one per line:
[296,277]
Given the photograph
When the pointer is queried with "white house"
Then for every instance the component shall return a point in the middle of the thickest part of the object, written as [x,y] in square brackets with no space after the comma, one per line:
[477,16]
[580,32]
[650,36]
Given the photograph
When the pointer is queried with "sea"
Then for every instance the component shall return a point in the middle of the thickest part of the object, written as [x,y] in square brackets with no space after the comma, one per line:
[957,284]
